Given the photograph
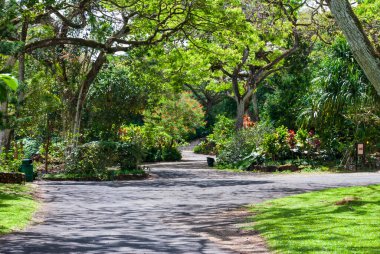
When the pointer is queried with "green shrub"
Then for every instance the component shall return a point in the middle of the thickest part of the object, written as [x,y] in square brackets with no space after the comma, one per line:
[243,145]
[255,158]
[171,154]
[156,154]
[223,131]
[8,163]
[154,145]
[235,150]
[152,154]
[8,160]
[129,155]
[205,147]
[275,145]
[92,159]
[56,150]
[30,147]
[301,136]
[172,120]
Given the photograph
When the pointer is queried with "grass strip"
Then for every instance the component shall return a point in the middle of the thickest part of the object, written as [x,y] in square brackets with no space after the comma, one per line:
[342,220]
[16,207]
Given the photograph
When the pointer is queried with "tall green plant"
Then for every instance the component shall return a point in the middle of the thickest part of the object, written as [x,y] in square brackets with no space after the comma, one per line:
[341,103]
[10,82]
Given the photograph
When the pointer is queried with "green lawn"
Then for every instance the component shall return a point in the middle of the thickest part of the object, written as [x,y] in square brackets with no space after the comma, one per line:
[322,222]
[16,206]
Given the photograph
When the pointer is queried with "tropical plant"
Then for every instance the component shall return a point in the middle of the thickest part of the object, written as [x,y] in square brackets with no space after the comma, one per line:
[245,143]
[341,104]
[9,81]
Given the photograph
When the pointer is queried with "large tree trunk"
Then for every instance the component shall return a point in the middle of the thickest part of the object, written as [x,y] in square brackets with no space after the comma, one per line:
[242,106]
[21,78]
[47,141]
[360,45]
[21,67]
[5,133]
[240,111]
[85,87]
[255,103]
[5,139]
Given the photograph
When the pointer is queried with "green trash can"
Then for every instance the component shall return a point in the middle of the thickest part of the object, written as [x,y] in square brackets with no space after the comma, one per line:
[27,168]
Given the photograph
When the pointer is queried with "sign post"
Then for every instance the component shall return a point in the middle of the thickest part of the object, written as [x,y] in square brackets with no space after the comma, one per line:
[360,151]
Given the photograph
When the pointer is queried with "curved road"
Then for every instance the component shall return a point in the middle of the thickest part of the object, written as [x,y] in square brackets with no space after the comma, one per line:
[158,215]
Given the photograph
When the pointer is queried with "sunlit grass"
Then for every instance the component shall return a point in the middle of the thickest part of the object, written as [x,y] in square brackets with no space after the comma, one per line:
[16,206]
[343,220]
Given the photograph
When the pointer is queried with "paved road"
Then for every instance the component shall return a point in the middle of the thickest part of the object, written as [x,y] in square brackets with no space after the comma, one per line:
[156,215]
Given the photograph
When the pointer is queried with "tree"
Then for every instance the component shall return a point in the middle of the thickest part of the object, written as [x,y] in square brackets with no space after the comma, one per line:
[283,93]
[207,97]
[114,99]
[105,26]
[364,52]
[6,81]
[246,59]
[234,51]
[173,119]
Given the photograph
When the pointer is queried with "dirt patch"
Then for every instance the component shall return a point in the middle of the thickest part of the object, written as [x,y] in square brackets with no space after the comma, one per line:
[226,231]
[40,214]
[346,200]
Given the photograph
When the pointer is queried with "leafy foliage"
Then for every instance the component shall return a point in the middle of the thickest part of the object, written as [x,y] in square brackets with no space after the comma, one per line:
[92,159]
[8,163]
[113,99]
[276,144]
[244,144]
[341,104]
[223,130]
[9,82]
[166,125]
[121,76]
[171,120]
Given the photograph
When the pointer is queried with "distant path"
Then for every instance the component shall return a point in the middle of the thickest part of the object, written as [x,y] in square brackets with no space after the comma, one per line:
[159,215]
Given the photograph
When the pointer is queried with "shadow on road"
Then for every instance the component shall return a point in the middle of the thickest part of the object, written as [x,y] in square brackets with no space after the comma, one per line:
[167,213]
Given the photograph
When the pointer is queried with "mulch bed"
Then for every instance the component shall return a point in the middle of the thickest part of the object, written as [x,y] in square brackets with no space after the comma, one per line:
[12,177]
[115,178]
[261,168]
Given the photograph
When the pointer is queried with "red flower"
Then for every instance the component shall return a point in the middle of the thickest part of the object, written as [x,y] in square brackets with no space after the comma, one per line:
[291,138]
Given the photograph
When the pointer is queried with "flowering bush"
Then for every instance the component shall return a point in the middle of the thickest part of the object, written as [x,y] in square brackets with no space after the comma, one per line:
[261,143]
[292,138]
[276,145]
[247,123]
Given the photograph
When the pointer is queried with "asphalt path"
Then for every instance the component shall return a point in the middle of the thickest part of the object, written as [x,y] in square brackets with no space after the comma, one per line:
[158,215]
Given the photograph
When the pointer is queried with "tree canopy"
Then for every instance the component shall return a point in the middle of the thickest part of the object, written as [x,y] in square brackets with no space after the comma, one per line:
[74,72]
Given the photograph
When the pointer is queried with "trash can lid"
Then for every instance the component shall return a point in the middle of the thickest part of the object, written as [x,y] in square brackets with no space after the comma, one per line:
[27,161]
